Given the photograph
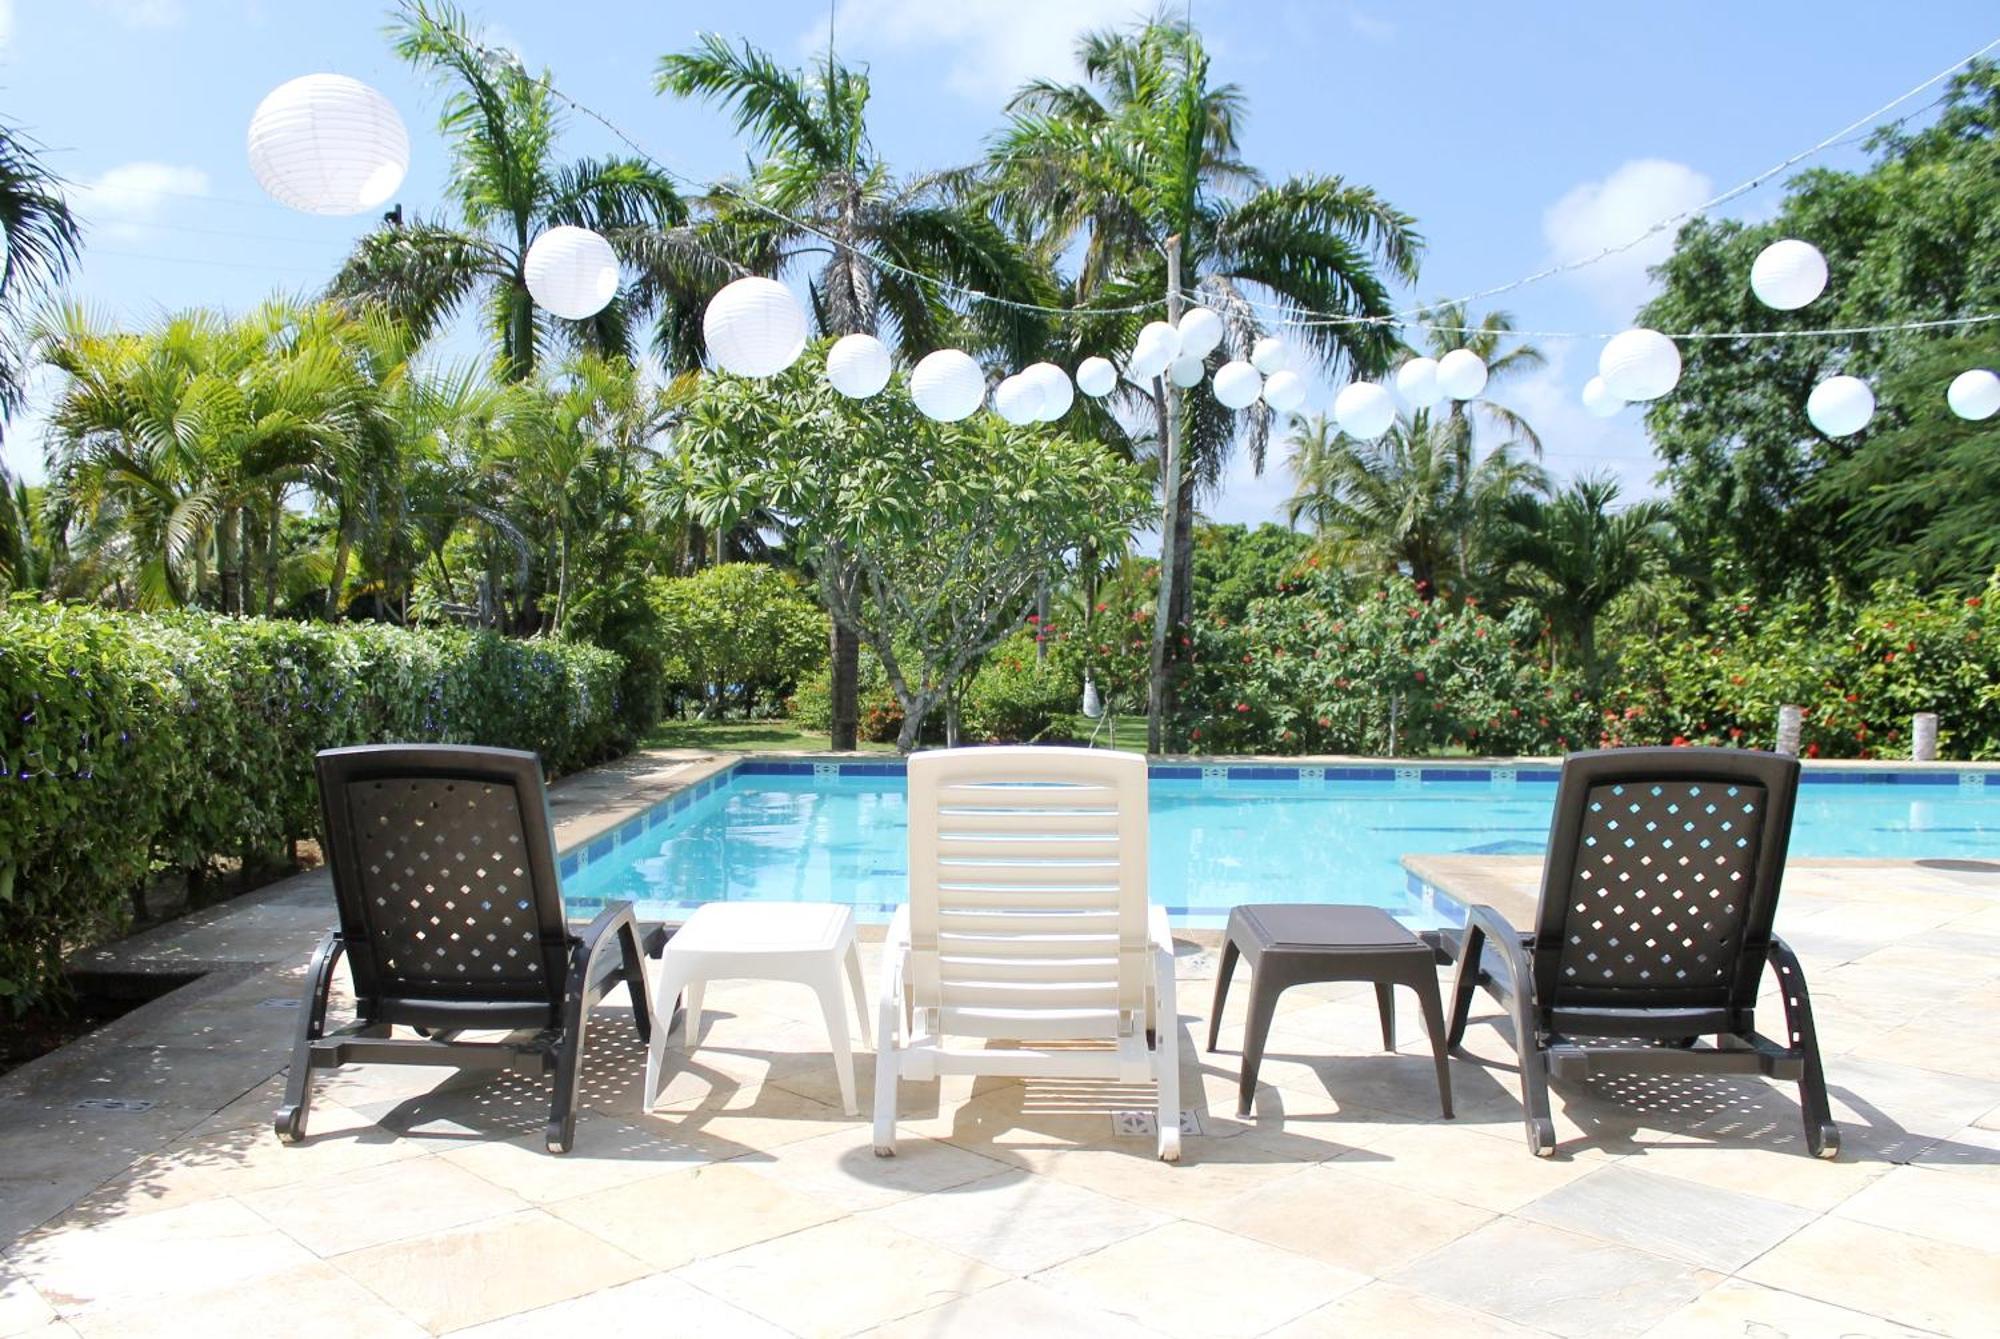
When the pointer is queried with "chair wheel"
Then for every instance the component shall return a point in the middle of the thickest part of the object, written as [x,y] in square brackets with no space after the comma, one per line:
[290,1129]
[1828,1144]
[1542,1138]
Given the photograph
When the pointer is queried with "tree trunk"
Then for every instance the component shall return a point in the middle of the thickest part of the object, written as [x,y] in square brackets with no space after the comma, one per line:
[1184,560]
[337,582]
[1160,704]
[1042,621]
[228,560]
[843,688]
[271,538]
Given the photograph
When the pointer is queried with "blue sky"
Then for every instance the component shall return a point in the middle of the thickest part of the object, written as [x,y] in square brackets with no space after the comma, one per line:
[1516,134]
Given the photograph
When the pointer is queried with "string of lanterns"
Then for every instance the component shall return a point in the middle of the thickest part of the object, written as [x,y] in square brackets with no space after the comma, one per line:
[329,144]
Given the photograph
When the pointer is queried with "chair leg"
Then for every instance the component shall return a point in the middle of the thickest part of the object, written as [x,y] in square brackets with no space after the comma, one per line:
[1427,996]
[290,1119]
[1822,1135]
[1385,1005]
[888,1059]
[668,987]
[860,992]
[833,1003]
[1224,969]
[692,1038]
[635,980]
[1263,1004]
[561,1133]
[1464,980]
[1167,1054]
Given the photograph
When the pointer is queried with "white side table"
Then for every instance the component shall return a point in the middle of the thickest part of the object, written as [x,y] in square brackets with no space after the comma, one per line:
[806,942]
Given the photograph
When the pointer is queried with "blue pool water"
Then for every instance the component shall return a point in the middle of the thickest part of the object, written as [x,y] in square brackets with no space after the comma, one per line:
[1259,834]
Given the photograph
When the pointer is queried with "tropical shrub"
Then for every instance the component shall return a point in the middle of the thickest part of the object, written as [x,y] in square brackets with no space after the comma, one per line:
[1017,697]
[133,743]
[1858,669]
[737,630]
[1389,672]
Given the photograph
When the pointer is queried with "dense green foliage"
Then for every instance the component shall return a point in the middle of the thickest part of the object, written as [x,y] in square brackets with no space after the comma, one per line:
[1859,667]
[132,743]
[737,632]
[1388,672]
[1761,497]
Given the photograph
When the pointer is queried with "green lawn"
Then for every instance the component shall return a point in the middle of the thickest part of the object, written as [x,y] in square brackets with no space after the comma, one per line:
[743,737]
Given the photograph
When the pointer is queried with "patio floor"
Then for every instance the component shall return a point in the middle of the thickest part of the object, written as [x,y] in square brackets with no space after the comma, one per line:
[142,1192]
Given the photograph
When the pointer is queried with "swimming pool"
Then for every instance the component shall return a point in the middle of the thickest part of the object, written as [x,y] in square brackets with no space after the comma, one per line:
[798,831]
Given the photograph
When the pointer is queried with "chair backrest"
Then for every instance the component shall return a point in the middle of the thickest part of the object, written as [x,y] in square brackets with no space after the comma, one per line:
[1662,878]
[443,863]
[1028,915]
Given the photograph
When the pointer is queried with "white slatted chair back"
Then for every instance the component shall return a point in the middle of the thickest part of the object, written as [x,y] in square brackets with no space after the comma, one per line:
[1028,915]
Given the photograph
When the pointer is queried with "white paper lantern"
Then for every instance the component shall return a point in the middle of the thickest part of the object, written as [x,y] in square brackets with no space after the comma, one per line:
[1639,364]
[754,327]
[1364,410]
[1284,391]
[1096,376]
[1839,406]
[1157,347]
[1018,399]
[1057,393]
[1270,354]
[572,272]
[1461,374]
[947,385]
[1974,395]
[1237,385]
[1788,274]
[1417,383]
[858,366]
[1201,331]
[1599,399]
[1187,370]
[327,144]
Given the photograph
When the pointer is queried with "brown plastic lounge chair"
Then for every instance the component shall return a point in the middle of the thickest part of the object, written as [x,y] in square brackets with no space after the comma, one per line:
[1653,930]
[451,917]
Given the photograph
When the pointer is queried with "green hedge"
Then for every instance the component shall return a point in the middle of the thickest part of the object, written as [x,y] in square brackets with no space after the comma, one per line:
[133,742]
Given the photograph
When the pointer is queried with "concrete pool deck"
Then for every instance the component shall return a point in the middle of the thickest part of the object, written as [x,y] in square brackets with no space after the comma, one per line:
[141,1189]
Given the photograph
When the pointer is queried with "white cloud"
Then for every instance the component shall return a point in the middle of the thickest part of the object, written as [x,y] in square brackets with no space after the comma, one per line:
[122,202]
[992,48]
[1596,214]
[1573,441]
[1368,26]
[144,13]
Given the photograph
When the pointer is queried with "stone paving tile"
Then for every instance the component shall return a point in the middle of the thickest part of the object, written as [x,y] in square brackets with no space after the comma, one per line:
[1210,1172]
[1337,1216]
[670,1220]
[21,1307]
[658,1307]
[1018,1309]
[311,1302]
[1973,1151]
[1549,1279]
[1389,1309]
[1019,1224]
[484,1271]
[842,1169]
[1915,1281]
[608,1153]
[153,1259]
[1737,1307]
[840,1278]
[1192,1280]
[1467,1165]
[1714,1229]
[1963,1210]
[353,1211]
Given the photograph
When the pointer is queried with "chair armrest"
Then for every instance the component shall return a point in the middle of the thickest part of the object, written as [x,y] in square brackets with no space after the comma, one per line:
[1799,1030]
[319,982]
[1506,941]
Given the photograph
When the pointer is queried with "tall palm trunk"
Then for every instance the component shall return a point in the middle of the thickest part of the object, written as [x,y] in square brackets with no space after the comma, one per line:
[844,644]
[229,560]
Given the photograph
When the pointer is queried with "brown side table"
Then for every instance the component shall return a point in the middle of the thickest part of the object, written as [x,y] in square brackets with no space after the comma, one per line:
[1291,944]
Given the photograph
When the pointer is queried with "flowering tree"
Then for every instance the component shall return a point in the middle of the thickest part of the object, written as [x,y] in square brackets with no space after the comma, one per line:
[928,540]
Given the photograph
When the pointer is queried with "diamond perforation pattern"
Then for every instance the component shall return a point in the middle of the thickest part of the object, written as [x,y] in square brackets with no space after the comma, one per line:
[445,877]
[1662,881]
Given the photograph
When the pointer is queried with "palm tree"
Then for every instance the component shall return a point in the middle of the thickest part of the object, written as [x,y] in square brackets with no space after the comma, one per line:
[1575,553]
[503,124]
[40,245]
[1411,501]
[1143,159]
[1448,326]
[820,197]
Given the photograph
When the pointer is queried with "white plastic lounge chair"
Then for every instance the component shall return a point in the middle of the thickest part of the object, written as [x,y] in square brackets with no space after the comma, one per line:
[1028,922]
